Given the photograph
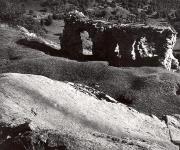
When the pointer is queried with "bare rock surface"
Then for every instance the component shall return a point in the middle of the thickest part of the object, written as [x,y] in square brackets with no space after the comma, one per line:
[174,127]
[38,112]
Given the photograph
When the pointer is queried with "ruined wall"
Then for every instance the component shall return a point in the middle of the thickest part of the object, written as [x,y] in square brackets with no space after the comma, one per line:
[135,42]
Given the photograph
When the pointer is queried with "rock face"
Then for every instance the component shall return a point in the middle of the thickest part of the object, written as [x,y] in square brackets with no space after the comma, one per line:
[40,113]
[174,127]
[135,42]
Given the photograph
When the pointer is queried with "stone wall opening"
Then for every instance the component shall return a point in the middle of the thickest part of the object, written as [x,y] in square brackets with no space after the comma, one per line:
[117,50]
[87,43]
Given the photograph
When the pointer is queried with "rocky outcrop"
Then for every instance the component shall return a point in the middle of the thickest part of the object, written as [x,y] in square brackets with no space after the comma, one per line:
[135,42]
[40,113]
[32,37]
[22,137]
[173,123]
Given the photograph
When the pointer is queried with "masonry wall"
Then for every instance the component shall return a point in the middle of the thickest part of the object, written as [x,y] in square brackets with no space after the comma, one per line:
[136,42]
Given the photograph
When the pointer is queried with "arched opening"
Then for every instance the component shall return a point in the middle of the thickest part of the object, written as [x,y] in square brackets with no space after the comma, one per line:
[87,43]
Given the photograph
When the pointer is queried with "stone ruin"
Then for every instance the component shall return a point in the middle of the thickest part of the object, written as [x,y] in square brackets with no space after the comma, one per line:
[136,42]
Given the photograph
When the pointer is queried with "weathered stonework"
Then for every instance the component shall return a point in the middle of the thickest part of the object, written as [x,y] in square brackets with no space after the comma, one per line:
[135,42]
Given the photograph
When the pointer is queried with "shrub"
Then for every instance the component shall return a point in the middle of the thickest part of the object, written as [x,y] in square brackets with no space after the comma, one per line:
[31,12]
[43,10]
[10,11]
[44,4]
[49,20]
[57,16]
[31,24]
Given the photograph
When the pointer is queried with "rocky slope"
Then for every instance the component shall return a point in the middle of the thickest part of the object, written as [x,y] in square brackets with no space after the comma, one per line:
[40,113]
[65,106]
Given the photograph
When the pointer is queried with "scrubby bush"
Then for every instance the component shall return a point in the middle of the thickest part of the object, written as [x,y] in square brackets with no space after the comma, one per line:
[58,16]
[31,12]
[49,20]
[12,13]
[32,25]
[43,10]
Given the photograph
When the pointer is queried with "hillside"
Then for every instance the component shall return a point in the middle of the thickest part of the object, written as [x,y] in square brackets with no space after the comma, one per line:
[148,89]
[47,114]
[38,105]
[51,101]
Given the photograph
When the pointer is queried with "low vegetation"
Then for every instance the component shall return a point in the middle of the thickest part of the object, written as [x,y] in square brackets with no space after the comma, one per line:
[125,11]
[96,9]
[12,13]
